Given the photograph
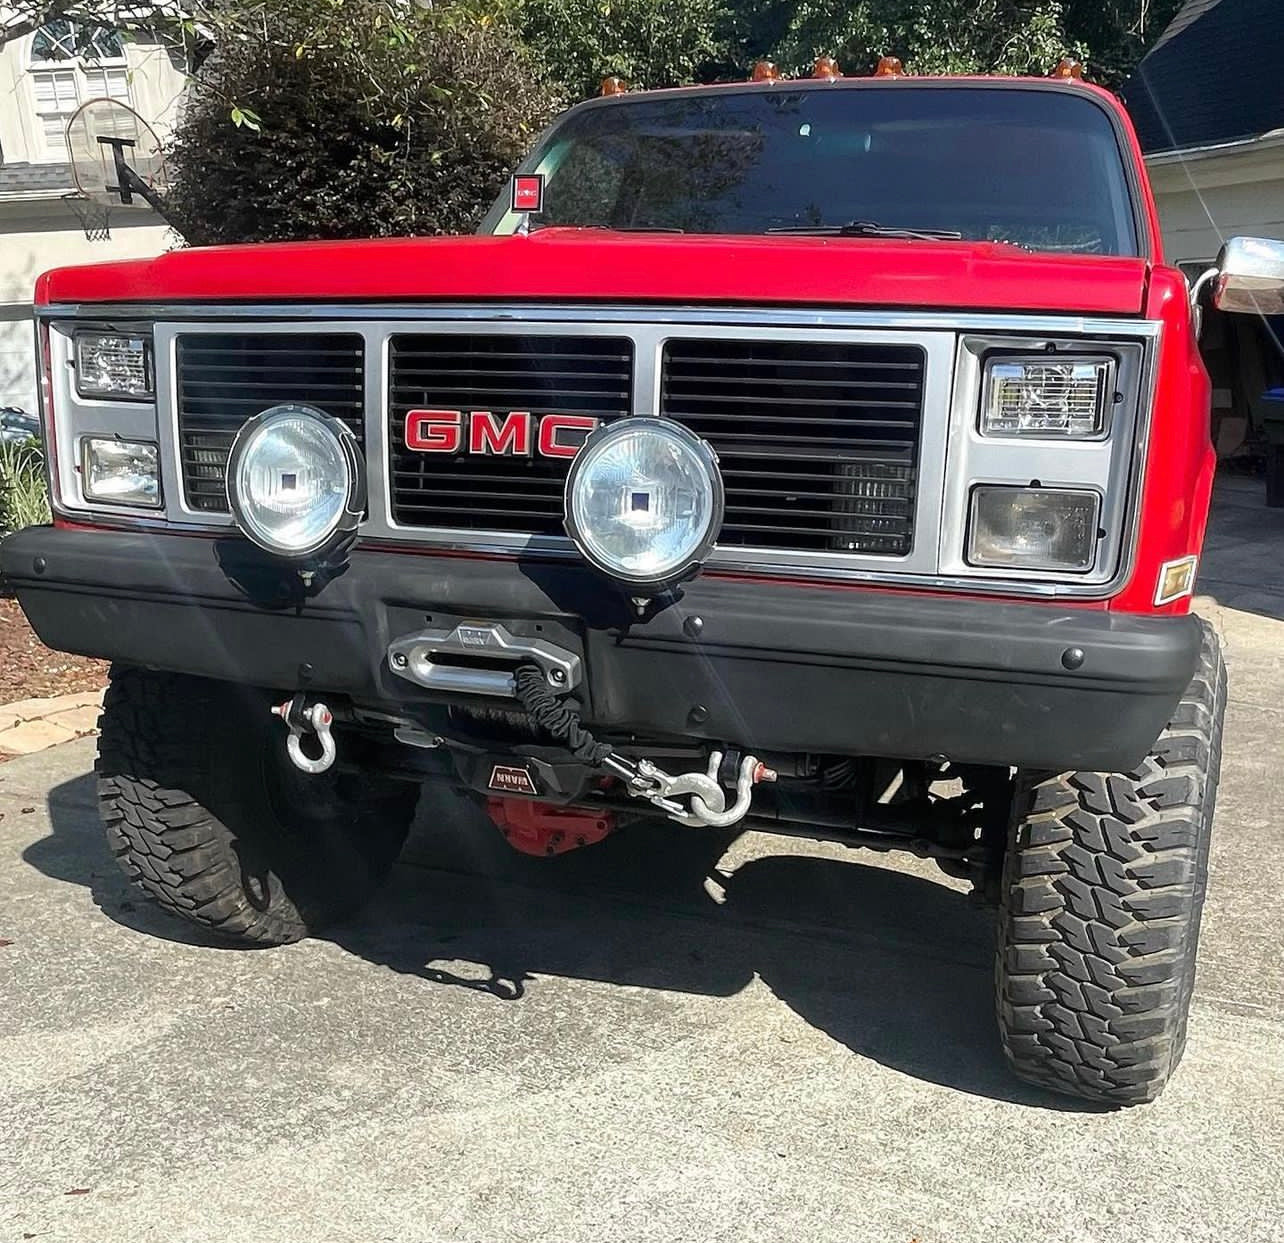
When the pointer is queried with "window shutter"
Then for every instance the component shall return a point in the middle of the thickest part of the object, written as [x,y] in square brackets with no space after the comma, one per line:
[57,95]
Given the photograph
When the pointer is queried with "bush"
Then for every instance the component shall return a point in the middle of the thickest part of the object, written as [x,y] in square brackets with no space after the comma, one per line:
[351,118]
[24,497]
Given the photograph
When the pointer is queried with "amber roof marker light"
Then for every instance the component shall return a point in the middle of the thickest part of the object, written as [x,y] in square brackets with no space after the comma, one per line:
[826,67]
[765,71]
[1069,70]
[611,85]
[889,67]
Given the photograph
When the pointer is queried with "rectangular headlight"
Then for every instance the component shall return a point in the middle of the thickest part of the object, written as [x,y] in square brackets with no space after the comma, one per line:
[110,364]
[1033,528]
[1054,395]
[120,472]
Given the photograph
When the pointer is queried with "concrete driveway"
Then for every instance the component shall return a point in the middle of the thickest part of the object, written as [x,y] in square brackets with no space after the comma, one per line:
[668,1037]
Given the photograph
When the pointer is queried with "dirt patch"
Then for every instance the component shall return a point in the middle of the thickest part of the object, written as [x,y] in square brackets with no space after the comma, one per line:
[30,670]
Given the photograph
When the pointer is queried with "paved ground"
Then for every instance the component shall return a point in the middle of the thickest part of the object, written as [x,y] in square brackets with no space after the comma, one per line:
[607,1049]
[30,725]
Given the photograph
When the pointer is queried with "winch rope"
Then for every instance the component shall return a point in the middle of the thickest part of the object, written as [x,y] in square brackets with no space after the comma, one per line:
[556,717]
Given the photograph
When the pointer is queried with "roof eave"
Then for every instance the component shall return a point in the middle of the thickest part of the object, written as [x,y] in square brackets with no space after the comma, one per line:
[1181,155]
[35,196]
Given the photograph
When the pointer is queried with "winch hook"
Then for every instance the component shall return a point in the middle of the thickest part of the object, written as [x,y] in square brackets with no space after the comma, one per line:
[302,718]
[642,778]
[708,808]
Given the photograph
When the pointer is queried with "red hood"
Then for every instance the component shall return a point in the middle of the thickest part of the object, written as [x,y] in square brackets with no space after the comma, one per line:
[577,265]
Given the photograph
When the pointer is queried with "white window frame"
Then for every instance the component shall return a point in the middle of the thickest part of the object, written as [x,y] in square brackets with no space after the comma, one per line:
[75,79]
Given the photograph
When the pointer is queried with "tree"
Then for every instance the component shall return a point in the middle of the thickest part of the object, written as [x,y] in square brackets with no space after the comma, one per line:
[19,18]
[649,43]
[929,36]
[1118,32]
[654,43]
[351,118]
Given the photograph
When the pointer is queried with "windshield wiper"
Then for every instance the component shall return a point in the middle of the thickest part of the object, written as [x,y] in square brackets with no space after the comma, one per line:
[866,228]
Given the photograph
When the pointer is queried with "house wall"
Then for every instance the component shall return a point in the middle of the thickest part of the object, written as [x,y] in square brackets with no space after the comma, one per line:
[39,231]
[1206,197]
[156,82]
[39,235]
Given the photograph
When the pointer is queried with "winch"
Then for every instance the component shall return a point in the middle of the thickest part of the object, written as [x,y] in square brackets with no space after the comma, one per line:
[538,675]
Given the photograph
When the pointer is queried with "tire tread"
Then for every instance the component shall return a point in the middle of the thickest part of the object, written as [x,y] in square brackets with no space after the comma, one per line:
[156,732]
[1104,883]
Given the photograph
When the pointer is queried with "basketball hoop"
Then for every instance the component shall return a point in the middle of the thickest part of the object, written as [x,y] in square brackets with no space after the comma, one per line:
[94,216]
[116,161]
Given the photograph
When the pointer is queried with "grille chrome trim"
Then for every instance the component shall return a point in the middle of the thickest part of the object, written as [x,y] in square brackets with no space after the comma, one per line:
[649,327]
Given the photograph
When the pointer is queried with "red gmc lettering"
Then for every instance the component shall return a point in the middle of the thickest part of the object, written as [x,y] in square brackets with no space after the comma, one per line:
[434,431]
[488,434]
[442,431]
[553,445]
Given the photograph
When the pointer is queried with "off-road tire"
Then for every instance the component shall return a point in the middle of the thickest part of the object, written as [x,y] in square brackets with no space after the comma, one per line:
[1103,889]
[207,816]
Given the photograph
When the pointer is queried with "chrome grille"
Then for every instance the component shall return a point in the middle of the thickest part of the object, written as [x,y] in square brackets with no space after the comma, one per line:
[818,441]
[223,379]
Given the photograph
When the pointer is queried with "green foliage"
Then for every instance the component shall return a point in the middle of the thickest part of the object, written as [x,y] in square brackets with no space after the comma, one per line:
[658,44]
[351,118]
[653,43]
[930,36]
[649,43]
[24,497]
[1117,32]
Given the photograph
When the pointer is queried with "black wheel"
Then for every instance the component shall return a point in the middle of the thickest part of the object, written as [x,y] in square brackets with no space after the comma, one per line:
[1103,889]
[1275,476]
[205,813]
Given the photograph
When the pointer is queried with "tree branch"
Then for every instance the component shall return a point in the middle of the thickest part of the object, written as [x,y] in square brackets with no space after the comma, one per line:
[23,17]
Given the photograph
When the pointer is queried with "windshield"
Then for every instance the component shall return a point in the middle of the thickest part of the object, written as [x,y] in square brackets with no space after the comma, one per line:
[1037,168]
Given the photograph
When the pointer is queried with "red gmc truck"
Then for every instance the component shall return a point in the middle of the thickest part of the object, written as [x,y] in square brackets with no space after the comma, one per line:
[828,456]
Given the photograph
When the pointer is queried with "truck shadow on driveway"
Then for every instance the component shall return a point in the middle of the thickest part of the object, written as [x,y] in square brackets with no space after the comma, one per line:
[894,966]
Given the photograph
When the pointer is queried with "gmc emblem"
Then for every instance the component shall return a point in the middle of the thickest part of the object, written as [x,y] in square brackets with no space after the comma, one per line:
[517,433]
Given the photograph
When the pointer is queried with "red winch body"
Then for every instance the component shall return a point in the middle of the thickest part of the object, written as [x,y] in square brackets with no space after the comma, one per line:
[537,828]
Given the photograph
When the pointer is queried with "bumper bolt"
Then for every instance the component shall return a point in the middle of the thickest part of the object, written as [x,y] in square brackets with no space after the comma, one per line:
[557,675]
[399,660]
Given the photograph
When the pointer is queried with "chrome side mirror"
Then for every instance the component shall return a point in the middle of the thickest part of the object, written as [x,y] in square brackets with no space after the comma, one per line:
[1249,276]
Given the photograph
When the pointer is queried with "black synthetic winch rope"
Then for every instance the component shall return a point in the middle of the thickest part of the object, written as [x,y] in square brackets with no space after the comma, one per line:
[561,720]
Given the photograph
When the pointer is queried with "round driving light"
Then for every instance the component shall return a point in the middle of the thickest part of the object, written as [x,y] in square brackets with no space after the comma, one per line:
[644,500]
[295,481]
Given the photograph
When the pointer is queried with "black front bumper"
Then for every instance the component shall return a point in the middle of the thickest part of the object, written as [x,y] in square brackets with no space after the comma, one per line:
[769,666]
